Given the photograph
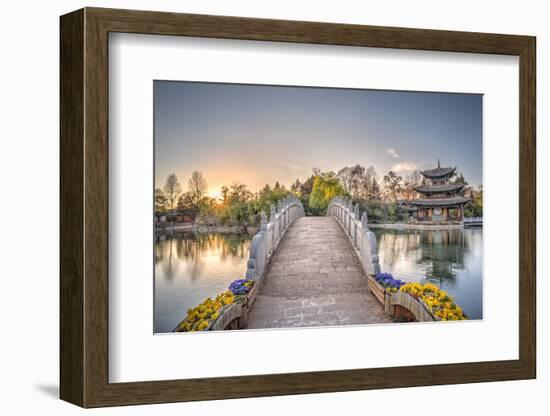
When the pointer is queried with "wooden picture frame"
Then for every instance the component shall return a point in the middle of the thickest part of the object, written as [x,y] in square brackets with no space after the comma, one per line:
[84,207]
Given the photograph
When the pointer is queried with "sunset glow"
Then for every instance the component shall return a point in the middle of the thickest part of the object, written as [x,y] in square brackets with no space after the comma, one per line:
[256,135]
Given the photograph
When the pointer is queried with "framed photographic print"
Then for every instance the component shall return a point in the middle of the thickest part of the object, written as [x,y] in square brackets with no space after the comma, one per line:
[260,207]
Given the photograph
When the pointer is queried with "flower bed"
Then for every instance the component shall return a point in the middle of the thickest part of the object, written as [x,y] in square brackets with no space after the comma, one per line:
[386,280]
[438,303]
[216,313]
[383,283]
[241,286]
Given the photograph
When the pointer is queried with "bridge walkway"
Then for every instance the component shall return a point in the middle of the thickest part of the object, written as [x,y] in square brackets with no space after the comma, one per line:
[314,279]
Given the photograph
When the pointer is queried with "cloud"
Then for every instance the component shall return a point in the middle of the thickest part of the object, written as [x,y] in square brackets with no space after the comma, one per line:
[392,152]
[404,167]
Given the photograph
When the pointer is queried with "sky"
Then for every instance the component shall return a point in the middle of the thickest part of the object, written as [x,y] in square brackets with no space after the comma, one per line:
[258,134]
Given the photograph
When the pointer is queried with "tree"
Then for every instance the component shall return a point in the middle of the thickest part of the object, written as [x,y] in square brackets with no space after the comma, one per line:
[393,183]
[357,181]
[225,193]
[186,205]
[172,189]
[353,180]
[238,205]
[296,187]
[370,184]
[460,179]
[411,181]
[161,202]
[197,189]
[414,178]
[346,178]
[325,187]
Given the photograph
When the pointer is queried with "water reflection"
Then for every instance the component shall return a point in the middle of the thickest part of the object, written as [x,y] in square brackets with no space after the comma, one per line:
[450,258]
[190,267]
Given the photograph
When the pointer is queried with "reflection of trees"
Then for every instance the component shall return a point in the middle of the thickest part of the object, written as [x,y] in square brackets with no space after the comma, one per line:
[440,253]
[164,251]
[443,254]
[193,251]
[394,245]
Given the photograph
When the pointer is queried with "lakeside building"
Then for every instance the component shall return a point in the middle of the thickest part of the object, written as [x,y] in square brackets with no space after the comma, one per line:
[439,202]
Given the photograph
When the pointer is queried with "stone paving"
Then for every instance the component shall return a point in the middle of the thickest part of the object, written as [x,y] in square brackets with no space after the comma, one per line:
[314,279]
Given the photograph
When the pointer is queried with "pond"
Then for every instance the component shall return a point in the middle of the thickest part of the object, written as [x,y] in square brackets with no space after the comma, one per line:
[190,267]
[452,259]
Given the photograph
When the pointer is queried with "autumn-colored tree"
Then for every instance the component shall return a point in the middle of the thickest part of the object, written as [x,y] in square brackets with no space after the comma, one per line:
[161,202]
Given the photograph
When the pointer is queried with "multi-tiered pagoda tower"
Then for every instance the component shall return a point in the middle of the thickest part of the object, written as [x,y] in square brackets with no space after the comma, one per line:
[439,202]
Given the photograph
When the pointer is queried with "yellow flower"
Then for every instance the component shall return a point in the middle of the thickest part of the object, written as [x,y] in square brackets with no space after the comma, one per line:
[202,325]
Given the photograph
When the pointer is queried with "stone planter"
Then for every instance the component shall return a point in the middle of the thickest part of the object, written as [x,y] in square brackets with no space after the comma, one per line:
[402,306]
[376,289]
[252,294]
[231,317]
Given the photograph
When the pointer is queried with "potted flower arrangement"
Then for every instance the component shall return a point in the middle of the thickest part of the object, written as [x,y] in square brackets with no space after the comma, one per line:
[436,301]
[217,313]
[383,283]
[203,316]
[241,287]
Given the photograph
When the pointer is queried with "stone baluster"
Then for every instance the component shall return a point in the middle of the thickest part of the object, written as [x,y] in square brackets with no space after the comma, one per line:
[285,201]
[356,225]
[263,221]
[350,217]
[364,229]
[373,252]
[279,218]
[271,227]
[345,214]
[272,213]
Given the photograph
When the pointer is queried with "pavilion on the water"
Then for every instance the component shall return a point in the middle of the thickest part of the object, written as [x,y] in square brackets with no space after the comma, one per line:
[439,202]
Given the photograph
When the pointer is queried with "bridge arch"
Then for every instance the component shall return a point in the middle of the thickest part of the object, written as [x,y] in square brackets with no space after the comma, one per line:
[306,272]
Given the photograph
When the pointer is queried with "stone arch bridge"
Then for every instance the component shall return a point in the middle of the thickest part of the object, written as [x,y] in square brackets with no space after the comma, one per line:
[311,271]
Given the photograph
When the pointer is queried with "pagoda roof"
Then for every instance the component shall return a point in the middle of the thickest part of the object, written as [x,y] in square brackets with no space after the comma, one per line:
[449,187]
[438,172]
[440,202]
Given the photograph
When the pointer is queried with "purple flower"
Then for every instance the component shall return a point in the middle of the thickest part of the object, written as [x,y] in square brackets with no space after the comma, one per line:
[240,286]
[387,280]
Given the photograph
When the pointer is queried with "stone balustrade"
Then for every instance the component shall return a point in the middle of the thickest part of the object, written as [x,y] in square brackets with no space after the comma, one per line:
[266,241]
[356,227]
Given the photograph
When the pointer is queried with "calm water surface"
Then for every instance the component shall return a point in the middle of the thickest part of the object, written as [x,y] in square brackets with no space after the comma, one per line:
[452,259]
[191,267]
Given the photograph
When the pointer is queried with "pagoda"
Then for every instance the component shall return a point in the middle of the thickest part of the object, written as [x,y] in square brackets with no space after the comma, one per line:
[439,202]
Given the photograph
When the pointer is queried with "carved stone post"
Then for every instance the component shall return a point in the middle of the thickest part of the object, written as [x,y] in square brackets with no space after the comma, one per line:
[344,216]
[263,222]
[364,230]
[350,216]
[373,252]
[272,213]
[280,219]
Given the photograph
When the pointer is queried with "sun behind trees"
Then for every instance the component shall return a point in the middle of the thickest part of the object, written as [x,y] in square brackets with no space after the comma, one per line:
[238,206]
